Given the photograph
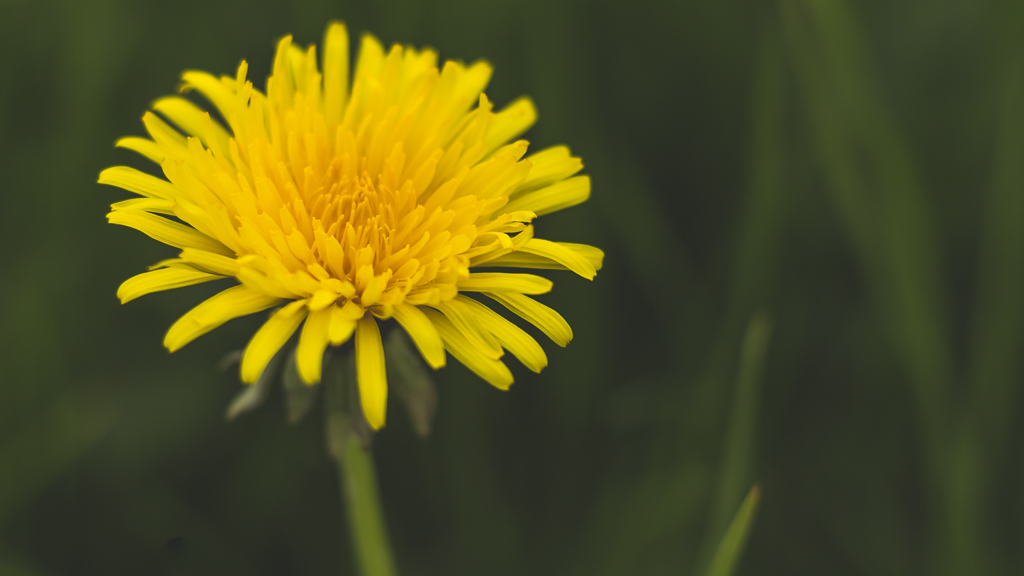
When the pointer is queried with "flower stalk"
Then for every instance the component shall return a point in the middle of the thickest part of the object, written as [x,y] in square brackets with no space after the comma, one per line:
[348,440]
[358,478]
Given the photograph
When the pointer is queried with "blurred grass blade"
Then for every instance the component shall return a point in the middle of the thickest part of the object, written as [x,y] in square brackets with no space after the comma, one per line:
[868,165]
[870,171]
[769,198]
[640,226]
[728,555]
[999,308]
[738,455]
[763,223]
[998,333]
[766,211]
[739,448]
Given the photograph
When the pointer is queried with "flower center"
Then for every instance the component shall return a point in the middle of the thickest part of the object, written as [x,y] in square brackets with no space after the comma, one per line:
[376,234]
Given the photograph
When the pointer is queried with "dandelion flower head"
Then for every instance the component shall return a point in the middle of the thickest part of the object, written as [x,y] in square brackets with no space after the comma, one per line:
[350,204]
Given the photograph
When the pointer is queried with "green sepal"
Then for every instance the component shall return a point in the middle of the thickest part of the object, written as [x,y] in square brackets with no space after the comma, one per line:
[299,397]
[410,379]
[251,397]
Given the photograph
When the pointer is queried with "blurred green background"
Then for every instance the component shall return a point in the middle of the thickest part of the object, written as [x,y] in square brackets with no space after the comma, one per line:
[813,215]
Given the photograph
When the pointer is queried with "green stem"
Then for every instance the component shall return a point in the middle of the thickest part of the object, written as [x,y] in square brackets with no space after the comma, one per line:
[358,479]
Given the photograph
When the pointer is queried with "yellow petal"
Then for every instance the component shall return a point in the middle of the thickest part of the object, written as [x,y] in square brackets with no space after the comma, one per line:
[342,325]
[163,279]
[512,121]
[547,320]
[153,205]
[498,176]
[521,259]
[191,119]
[227,305]
[547,167]
[373,383]
[170,140]
[593,254]
[563,255]
[322,299]
[210,87]
[374,289]
[353,311]
[456,311]
[335,73]
[370,59]
[143,146]
[472,81]
[492,370]
[280,87]
[274,333]
[262,283]
[168,231]
[423,334]
[512,337]
[504,282]
[309,356]
[214,263]
[139,182]
[552,198]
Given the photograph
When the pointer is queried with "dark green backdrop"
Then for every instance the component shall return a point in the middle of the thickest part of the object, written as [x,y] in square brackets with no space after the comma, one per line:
[852,172]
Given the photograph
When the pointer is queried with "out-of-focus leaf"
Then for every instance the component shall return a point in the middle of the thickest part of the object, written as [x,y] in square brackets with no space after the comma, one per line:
[299,397]
[410,378]
[730,550]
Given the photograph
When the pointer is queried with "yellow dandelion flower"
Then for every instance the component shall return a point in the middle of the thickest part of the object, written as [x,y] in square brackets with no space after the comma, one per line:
[354,204]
